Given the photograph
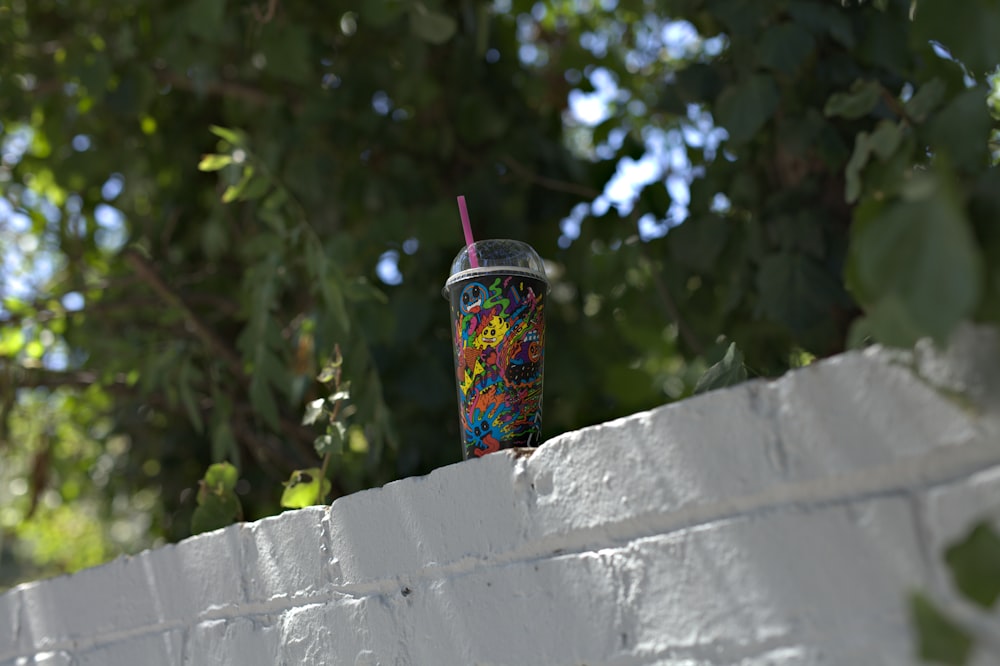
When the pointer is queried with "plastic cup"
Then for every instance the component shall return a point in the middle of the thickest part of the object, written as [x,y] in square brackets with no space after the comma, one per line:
[498,331]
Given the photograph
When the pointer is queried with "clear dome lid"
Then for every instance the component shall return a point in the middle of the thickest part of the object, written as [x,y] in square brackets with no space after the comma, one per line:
[496,254]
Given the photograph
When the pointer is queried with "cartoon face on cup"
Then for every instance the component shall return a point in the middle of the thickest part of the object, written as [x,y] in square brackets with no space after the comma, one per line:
[473,296]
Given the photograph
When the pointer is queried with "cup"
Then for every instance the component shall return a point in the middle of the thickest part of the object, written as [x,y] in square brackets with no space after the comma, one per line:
[497,290]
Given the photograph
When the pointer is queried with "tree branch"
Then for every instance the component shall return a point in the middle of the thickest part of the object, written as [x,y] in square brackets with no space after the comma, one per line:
[218,88]
[149,275]
[674,313]
[896,107]
[549,183]
[44,378]
[268,14]
[666,299]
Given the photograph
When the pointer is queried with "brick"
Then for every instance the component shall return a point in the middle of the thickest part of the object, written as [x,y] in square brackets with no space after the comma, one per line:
[10,620]
[156,649]
[832,579]
[334,633]
[560,610]
[287,556]
[201,574]
[470,509]
[57,658]
[113,597]
[835,419]
[239,641]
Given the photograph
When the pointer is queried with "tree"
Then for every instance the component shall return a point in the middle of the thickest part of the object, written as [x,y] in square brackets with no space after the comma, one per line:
[202,196]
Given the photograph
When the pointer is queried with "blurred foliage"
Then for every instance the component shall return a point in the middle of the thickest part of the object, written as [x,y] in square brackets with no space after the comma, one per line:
[197,196]
[974,564]
[218,503]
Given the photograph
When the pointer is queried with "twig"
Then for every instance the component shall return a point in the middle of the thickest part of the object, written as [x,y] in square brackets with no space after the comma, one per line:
[220,88]
[272,459]
[549,183]
[674,313]
[42,378]
[896,107]
[146,271]
[321,499]
[39,313]
[268,15]
[669,304]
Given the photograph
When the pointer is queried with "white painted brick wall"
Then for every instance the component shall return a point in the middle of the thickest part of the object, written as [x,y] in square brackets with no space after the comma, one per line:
[774,523]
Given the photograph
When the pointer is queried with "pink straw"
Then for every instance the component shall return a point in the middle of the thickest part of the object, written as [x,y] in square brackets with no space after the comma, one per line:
[467,229]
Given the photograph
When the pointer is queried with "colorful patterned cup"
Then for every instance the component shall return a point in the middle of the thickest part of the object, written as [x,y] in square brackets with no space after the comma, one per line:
[498,331]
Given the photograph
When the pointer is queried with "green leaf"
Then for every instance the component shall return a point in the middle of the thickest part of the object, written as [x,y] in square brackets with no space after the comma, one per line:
[361,289]
[798,234]
[218,504]
[94,72]
[205,18]
[698,82]
[303,489]
[975,565]
[313,411]
[333,440]
[884,43]
[884,179]
[891,145]
[381,13]
[727,372]
[333,298]
[926,99]
[254,188]
[344,394]
[478,120]
[855,165]
[234,136]
[433,27]
[741,18]
[858,102]
[483,19]
[212,516]
[214,162]
[962,129]
[285,47]
[743,108]
[968,29]
[223,441]
[859,335]
[327,281]
[885,139]
[698,242]
[328,373]
[186,377]
[250,186]
[914,263]
[264,402]
[785,47]
[824,18]
[11,341]
[940,639]
[222,477]
[135,91]
[796,290]
[34,349]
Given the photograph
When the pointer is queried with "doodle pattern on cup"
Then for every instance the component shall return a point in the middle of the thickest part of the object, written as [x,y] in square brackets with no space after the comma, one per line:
[499,341]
